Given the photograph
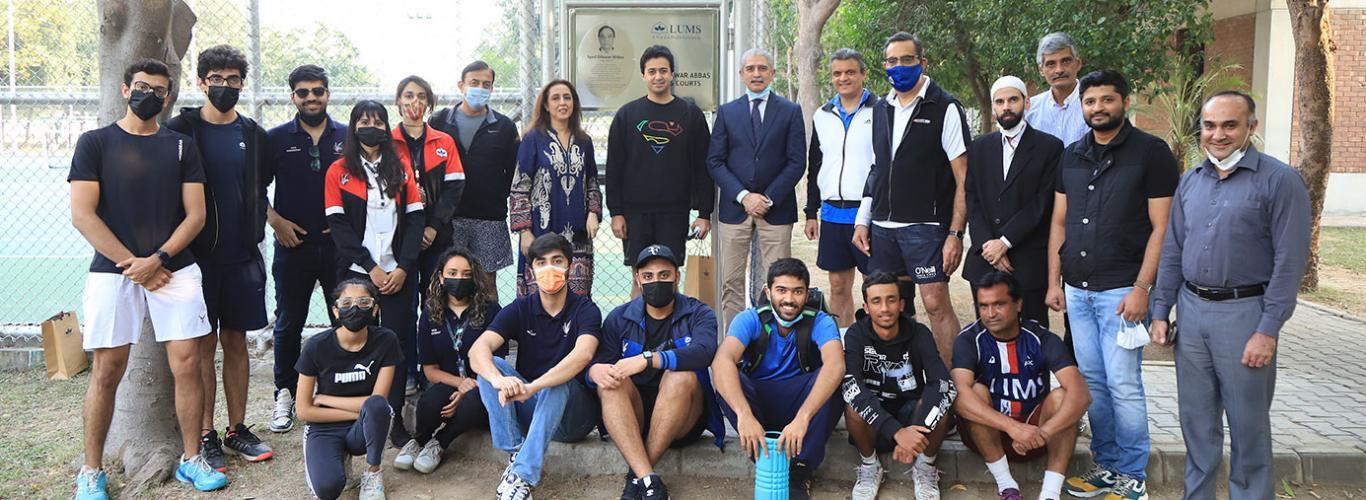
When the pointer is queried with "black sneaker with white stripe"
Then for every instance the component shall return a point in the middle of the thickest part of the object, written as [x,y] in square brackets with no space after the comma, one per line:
[652,488]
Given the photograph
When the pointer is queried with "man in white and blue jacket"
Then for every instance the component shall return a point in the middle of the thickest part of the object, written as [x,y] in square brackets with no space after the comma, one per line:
[651,372]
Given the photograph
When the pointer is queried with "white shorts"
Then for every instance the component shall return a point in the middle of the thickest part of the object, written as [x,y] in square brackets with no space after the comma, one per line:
[115,309]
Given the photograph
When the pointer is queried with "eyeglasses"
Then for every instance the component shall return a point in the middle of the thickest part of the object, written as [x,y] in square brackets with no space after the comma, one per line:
[903,60]
[361,302]
[157,91]
[315,163]
[232,81]
[303,93]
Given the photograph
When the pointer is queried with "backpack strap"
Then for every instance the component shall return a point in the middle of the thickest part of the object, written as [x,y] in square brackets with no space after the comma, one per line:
[754,352]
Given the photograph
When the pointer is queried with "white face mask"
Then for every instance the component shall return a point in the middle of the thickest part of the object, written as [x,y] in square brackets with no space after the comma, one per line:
[1228,163]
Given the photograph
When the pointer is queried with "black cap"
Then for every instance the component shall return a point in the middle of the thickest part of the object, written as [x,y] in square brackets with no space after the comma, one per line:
[656,252]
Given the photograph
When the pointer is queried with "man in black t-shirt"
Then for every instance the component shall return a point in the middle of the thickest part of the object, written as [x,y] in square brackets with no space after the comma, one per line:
[1001,366]
[137,195]
[233,149]
[897,389]
[556,333]
[656,165]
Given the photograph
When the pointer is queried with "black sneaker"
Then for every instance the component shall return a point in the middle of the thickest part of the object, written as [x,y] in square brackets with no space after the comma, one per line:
[632,489]
[652,488]
[242,442]
[212,450]
[799,482]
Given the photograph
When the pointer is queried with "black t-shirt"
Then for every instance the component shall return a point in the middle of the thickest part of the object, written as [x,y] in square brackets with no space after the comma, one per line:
[141,179]
[225,151]
[447,343]
[344,373]
[657,338]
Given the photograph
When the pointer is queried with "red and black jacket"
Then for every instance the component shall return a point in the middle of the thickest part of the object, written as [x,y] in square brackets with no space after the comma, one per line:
[345,195]
[440,175]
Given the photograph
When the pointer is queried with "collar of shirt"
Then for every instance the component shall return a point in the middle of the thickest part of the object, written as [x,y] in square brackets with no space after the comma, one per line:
[571,300]
[896,103]
[1073,98]
[846,116]
[456,108]
[330,126]
[1251,160]
[1010,134]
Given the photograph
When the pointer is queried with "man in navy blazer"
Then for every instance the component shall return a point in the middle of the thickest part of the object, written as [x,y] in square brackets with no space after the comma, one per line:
[757,155]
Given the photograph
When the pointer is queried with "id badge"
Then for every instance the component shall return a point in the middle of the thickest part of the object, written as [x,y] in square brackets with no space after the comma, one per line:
[906,384]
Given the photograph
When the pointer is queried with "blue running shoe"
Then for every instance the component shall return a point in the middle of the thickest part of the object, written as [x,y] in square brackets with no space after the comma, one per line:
[197,471]
[90,484]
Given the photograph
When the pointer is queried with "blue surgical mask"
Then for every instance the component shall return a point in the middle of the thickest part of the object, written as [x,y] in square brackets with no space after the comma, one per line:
[477,97]
[904,78]
[786,323]
[759,95]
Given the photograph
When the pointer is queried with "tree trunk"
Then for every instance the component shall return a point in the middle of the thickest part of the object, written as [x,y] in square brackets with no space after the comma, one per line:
[981,87]
[1314,101]
[811,18]
[143,436]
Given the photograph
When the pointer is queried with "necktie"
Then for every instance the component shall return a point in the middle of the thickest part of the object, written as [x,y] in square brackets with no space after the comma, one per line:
[754,118]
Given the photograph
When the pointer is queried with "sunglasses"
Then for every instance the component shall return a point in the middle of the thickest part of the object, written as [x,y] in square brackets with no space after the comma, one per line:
[315,163]
[317,92]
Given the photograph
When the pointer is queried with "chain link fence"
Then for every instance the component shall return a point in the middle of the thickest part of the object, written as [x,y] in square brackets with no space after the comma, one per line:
[50,96]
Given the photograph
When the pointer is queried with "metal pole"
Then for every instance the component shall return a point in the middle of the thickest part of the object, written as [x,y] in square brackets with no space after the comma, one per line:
[254,45]
[527,53]
[13,116]
[548,41]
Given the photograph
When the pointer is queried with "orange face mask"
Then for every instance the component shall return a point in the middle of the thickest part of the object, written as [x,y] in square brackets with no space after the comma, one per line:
[550,279]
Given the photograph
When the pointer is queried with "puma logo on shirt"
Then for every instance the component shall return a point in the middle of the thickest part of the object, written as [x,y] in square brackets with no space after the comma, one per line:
[359,374]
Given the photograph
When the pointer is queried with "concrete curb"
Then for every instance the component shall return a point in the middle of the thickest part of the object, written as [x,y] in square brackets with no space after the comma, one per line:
[1344,466]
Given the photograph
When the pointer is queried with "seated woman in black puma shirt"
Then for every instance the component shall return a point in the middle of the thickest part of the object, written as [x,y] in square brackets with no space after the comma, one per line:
[344,375]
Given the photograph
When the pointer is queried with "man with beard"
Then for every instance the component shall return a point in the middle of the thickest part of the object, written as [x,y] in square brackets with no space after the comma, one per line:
[233,149]
[1010,180]
[776,371]
[1057,110]
[297,153]
[1008,408]
[1114,191]
[897,391]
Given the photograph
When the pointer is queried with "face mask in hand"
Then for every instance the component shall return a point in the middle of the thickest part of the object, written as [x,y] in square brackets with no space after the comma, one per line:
[354,318]
[460,288]
[658,293]
[550,279]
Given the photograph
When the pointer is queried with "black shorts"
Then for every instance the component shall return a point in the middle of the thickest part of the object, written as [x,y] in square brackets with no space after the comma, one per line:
[648,395]
[903,412]
[668,229]
[235,294]
[836,250]
[916,251]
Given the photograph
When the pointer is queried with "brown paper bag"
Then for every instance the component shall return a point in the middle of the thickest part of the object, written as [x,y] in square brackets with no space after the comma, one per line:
[699,279]
[62,347]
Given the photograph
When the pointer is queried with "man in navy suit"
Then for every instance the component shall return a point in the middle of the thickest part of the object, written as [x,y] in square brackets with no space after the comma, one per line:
[1009,191]
[757,155]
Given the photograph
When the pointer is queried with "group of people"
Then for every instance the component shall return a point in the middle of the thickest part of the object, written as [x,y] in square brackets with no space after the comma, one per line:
[404,222]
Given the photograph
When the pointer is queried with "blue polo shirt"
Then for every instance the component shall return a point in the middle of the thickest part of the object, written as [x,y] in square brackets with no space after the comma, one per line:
[298,186]
[544,340]
[780,360]
[446,343]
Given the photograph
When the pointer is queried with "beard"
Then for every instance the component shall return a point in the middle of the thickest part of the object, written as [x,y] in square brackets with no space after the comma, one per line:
[1008,120]
[1113,123]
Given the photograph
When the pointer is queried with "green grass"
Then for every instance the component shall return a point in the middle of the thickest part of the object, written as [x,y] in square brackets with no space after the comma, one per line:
[41,433]
[1344,247]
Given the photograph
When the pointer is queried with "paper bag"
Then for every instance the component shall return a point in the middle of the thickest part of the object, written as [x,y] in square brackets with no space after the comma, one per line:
[699,279]
[62,347]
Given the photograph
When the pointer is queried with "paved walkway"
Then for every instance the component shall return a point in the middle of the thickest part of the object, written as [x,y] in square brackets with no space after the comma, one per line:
[1320,385]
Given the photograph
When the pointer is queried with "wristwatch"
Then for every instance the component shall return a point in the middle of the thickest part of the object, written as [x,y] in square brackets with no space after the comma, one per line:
[1145,286]
[649,358]
[164,257]
[956,234]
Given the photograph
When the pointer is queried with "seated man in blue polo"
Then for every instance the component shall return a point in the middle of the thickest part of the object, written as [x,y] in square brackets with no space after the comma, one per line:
[556,334]
[1007,411]
[777,369]
[651,372]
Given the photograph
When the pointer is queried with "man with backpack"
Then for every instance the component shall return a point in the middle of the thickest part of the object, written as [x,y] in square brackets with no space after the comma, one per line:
[777,369]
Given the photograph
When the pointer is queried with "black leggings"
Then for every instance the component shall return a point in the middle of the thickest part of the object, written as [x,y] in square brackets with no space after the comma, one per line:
[469,414]
[326,447]
[397,313]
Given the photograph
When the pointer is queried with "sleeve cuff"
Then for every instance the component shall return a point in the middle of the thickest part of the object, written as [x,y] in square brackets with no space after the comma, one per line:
[1270,326]
[1162,311]
[865,212]
[668,360]
[1006,241]
[740,198]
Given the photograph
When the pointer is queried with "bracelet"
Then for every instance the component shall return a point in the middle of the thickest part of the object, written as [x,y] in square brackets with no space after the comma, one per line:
[1147,288]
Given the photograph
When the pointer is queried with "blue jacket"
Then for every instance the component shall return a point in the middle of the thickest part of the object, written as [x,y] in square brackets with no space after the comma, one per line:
[770,165]
[694,346]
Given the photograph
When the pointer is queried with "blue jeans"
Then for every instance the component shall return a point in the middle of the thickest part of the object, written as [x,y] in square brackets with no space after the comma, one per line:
[564,413]
[1119,409]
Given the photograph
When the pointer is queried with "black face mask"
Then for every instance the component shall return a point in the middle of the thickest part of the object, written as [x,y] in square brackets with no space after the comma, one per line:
[372,136]
[460,288]
[658,293]
[354,318]
[145,104]
[224,97]
[314,119]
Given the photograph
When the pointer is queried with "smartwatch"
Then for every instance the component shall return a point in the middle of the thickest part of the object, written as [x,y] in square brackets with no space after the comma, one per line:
[164,257]
[956,234]
[649,358]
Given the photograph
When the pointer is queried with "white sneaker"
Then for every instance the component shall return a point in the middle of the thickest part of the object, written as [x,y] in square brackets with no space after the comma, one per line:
[282,419]
[372,486]
[505,479]
[407,455]
[429,457]
[868,483]
[926,478]
[514,488]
